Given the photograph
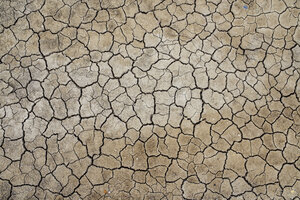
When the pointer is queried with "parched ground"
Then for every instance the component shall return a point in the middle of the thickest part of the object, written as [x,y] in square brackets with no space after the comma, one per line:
[149,99]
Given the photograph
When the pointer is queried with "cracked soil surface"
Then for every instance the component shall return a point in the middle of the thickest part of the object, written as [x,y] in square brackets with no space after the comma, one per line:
[149,99]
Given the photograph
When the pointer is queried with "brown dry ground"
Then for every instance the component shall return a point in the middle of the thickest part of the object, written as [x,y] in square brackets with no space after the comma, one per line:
[149,99]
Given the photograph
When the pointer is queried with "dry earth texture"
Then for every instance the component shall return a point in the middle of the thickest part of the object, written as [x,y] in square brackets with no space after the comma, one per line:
[149,99]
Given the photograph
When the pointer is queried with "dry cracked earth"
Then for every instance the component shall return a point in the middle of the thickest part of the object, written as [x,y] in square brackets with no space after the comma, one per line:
[149,99]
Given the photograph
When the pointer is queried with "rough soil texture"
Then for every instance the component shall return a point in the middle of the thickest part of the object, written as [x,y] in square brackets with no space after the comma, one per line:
[149,99]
